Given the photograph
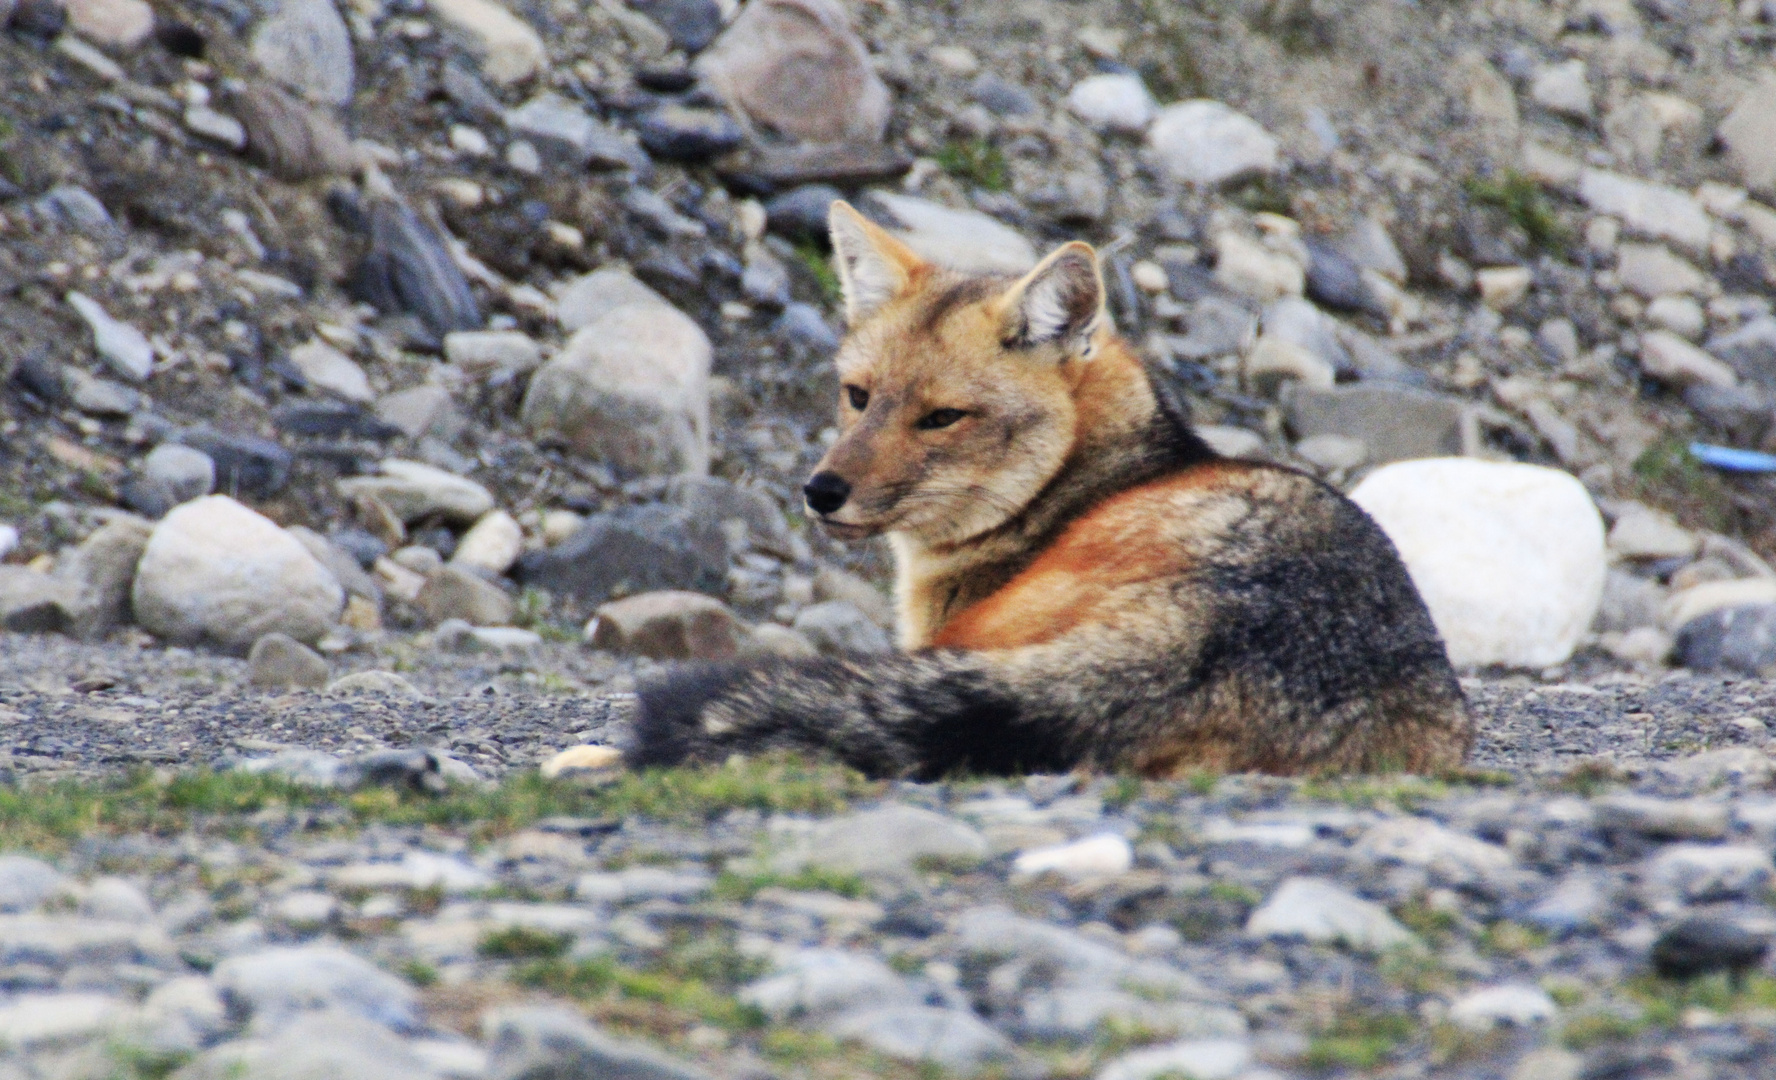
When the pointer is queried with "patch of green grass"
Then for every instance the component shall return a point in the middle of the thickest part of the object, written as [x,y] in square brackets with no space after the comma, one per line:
[129,1062]
[1419,971]
[974,161]
[1262,195]
[1425,921]
[1665,1000]
[1507,938]
[1359,1040]
[523,943]
[1666,474]
[1590,1029]
[1122,792]
[732,886]
[1202,783]
[1404,791]
[1523,202]
[601,979]
[814,260]
[50,816]
[419,973]
[1588,778]
[1166,54]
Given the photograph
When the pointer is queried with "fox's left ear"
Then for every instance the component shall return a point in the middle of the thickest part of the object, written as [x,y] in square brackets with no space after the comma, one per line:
[1061,302]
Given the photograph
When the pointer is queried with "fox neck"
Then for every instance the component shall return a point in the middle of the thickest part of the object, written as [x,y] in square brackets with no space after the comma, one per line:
[1124,435]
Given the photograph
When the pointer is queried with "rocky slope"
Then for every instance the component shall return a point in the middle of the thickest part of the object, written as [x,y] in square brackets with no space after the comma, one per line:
[386,385]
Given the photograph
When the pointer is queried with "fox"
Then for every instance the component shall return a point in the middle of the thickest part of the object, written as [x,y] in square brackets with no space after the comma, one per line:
[1082,583]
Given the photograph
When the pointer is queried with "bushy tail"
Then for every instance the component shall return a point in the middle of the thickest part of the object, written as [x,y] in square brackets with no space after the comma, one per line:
[921,715]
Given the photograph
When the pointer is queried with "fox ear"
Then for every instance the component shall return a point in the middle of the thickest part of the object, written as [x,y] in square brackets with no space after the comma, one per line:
[873,266]
[1061,302]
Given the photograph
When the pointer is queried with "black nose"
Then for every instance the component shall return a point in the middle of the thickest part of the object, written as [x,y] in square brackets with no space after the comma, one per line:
[826,492]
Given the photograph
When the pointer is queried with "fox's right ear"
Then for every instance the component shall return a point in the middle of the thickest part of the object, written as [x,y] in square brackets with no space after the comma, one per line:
[873,266]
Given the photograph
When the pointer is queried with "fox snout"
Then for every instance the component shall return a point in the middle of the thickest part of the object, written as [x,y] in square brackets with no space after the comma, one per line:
[826,492]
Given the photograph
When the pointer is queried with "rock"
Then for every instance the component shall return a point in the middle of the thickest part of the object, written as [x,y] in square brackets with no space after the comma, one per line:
[276,986]
[118,24]
[632,550]
[691,24]
[545,1042]
[415,491]
[410,268]
[795,67]
[327,1044]
[1686,605]
[304,768]
[1232,442]
[1735,639]
[216,126]
[1674,361]
[373,683]
[820,983]
[1647,209]
[215,570]
[291,139]
[455,593]
[631,390]
[1665,819]
[101,572]
[1509,558]
[1496,1006]
[1678,314]
[1504,287]
[34,603]
[1335,280]
[1254,270]
[25,883]
[887,841]
[839,628]
[1751,349]
[9,540]
[1453,858]
[682,133]
[1700,873]
[496,355]
[122,346]
[1272,365]
[1321,911]
[509,50]
[571,134]
[328,369]
[1562,88]
[1218,326]
[508,644]
[1704,944]
[1745,134]
[116,900]
[765,281]
[708,499]
[184,1013]
[172,474]
[304,45]
[1198,1059]
[1117,102]
[245,465]
[491,545]
[586,758]
[668,625]
[1394,423]
[1298,322]
[585,300]
[640,883]
[1652,271]
[1103,855]
[949,1038]
[36,1021]
[1207,144]
[831,583]
[964,240]
[1641,532]
[278,661]
[342,564]
[770,639]
[415,869]
[421,411]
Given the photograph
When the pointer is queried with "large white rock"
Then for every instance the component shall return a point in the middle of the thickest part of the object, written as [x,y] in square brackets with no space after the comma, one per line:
[1206,143]
[1647,209]
[631,389]
[1318,910]
[797,68]
[118,343]
[964,240]
[331,370]
[215,570]
[1112,102]
[1509,558]
[413,490]
[304,45]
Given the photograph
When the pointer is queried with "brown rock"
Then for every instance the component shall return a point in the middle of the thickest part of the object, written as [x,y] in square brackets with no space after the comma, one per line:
[669,625]
[291,139]
[455,593]
[796,67]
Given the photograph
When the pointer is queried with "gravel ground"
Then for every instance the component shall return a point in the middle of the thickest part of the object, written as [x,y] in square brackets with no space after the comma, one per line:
[92,708]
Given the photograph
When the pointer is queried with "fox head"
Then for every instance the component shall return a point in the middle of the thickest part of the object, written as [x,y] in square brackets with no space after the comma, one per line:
[960,397]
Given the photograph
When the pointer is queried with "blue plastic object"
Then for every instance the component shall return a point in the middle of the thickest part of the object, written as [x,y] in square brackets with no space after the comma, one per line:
[1725,457]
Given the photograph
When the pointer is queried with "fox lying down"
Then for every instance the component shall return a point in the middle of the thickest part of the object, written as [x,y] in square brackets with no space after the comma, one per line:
[1082,582]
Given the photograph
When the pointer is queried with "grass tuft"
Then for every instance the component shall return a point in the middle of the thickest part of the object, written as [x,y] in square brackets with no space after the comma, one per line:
[976,162]
[733,886]
[1521,199]
[523,943]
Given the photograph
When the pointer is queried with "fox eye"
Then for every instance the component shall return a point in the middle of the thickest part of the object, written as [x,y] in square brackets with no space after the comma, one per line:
[858,396]
[939,418]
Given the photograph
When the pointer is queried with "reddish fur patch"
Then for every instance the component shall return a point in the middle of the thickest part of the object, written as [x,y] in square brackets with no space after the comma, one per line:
[1122,542]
